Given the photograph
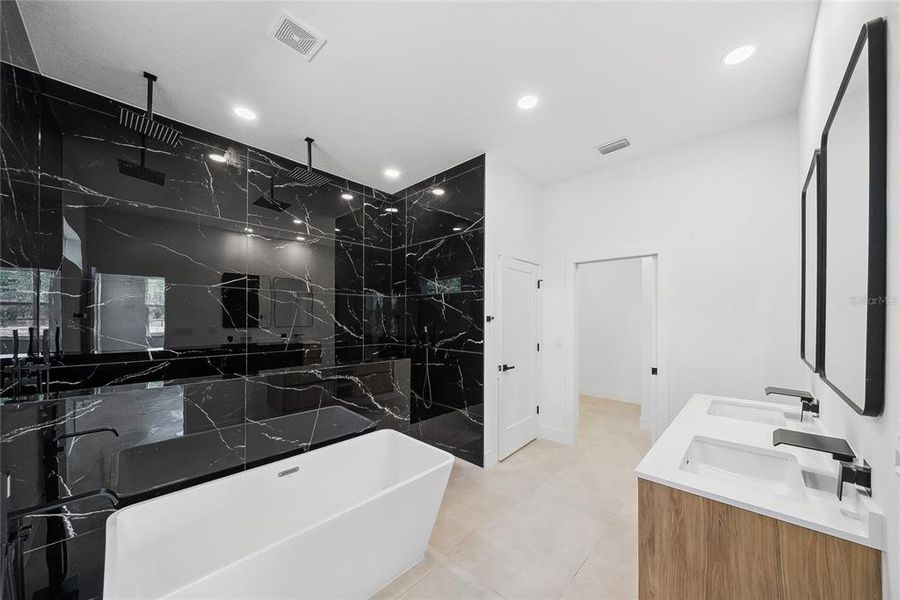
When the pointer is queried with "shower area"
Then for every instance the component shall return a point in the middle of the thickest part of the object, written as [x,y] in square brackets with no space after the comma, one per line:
[176,306]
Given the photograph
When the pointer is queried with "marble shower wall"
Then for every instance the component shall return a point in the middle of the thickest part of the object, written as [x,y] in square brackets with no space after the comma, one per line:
[438,281]
[226,318]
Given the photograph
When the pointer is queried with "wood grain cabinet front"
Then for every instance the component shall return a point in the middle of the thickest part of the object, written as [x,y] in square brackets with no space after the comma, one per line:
[694,548]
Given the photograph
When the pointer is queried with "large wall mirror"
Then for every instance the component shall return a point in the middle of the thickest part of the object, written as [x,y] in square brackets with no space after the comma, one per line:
[810,321]
[853,163]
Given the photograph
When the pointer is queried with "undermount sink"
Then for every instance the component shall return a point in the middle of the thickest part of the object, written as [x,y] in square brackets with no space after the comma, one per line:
[747,412]
[775,472]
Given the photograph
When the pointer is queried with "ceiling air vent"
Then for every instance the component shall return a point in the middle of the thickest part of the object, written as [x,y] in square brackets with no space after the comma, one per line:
[299,37]
[611,147]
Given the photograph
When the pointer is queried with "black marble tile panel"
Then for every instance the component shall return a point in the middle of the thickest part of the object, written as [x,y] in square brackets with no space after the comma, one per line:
[20,128]
[384,319]
[448,321]
[349,268]
[379,220]
[450,264]
[92,144]
[447,406]
[349,316]
[109,235]
[459,208]
[377,271]
[277,200]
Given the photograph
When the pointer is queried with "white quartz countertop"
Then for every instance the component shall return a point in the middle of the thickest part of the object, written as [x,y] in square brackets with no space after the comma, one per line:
[801,489]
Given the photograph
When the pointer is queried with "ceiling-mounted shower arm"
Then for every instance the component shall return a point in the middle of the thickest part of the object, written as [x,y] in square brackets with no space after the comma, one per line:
[150,79]
[309,143]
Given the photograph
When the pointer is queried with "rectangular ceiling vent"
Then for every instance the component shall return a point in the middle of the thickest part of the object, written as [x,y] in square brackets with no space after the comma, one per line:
[299,37]
[611,147]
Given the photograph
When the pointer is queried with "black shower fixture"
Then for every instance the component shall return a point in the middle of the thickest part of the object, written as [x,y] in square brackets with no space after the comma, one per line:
[269,201]
[147,127]
[306,176]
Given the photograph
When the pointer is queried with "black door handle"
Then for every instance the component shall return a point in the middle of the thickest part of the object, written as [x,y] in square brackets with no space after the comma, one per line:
[506,368]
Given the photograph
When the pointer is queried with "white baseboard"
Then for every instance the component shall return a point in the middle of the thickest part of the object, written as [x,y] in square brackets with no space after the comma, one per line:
[490,458]
[555,434]
[617,395]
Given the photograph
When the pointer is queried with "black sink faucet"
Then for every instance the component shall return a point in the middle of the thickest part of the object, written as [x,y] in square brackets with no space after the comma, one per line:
[808,404]
[840,450]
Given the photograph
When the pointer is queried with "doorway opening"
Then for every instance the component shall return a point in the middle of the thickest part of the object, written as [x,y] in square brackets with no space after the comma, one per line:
[616,336]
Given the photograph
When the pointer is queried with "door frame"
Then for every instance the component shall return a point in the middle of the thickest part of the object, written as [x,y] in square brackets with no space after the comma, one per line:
[658,408]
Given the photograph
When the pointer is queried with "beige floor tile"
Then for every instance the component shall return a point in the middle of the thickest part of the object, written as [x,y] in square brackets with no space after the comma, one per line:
[449,582]
[409,578]
[550,521]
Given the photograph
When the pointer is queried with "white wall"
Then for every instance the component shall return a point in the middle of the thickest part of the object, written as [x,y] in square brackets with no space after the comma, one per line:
[609,329]
[512,221]
[723,216]
[837,28]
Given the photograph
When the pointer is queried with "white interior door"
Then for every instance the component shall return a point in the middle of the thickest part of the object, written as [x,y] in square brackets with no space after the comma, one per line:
[518,355]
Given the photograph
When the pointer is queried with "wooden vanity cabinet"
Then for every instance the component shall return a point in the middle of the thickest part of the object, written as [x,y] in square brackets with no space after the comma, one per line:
[694,548]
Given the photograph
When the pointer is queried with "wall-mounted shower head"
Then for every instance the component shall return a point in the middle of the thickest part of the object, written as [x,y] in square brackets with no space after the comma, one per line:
[144,124]
[306,176]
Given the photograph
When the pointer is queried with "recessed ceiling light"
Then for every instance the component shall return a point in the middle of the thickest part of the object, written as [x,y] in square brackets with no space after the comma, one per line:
[244,113]
[527,102]
[391,173]
[457,229]
[347,196]
[248,229]
[300,238]
[218,157]
[738,55]
[391,210]
[437,191]
[298,222]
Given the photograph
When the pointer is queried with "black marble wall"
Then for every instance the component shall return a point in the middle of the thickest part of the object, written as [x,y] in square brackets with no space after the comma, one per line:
[439,281]
[229,317]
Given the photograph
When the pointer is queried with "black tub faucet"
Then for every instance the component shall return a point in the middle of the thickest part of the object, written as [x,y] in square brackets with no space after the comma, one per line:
[840,450]
[808,404]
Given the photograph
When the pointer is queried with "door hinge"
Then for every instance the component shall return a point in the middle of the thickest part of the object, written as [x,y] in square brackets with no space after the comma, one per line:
[539,283]
[539,347]
[538,409]
[653,370]
[489,318]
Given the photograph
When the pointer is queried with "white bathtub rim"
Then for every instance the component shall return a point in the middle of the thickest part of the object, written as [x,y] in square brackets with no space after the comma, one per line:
[448,460]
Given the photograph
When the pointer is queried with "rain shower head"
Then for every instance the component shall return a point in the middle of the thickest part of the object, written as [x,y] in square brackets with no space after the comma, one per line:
[144,124]
[269,201]
[306,176]
[147,127]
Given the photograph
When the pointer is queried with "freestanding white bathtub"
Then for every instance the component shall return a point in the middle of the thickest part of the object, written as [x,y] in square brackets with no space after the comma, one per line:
[338,522]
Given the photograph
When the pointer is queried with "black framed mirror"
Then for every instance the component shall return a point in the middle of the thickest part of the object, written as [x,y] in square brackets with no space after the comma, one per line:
[810,313]
[852,284]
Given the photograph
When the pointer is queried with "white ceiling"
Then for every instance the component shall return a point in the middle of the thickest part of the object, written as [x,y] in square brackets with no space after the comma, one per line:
[423,86]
